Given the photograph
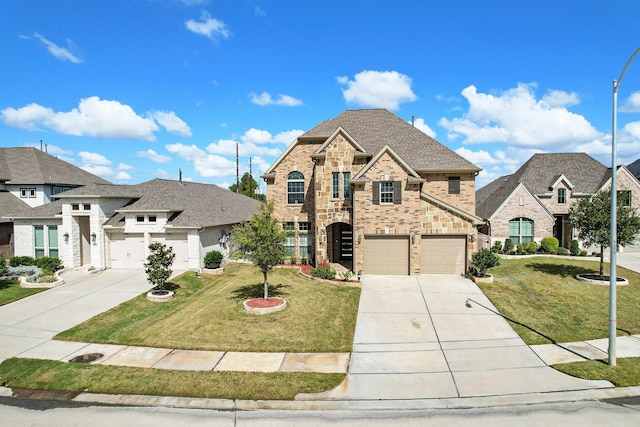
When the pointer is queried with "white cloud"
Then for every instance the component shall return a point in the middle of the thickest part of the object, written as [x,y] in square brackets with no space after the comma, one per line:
[257,136]
[632,104]
[287,137]
[95,117]
[420,124]
[265,99]
[378,89]
[61,53]
[496,163]
[516,117]
[153,156]
[209,27]
[228,147]
[207,165]
[171,122]
[560,98]
[98,164]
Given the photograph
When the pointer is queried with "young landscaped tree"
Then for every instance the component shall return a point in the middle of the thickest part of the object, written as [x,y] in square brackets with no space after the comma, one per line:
[591,216]
[158,264]
[248,187]
[261,240]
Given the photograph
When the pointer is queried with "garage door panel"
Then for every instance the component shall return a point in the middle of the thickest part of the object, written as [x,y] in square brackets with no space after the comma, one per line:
[127,250]
[443,254]
[386,255]
[179,244]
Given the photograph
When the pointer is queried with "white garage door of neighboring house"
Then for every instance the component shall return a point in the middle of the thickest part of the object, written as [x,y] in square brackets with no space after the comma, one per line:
[443,254]
[180,247]
[386,255]
[127,250]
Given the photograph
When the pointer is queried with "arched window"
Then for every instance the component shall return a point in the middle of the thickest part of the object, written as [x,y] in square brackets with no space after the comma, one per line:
[521,230]
[295,188]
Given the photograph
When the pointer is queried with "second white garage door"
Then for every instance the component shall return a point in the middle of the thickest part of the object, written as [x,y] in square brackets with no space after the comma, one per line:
[386,255]
[443,254]
[180,247]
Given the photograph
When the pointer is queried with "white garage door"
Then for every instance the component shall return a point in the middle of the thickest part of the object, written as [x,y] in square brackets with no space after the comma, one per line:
[386,255]
[180,247]
[443,254]
[127,250]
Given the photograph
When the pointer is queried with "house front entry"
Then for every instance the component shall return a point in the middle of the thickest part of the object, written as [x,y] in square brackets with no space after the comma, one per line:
[562,230]
[84,246]
[340,244]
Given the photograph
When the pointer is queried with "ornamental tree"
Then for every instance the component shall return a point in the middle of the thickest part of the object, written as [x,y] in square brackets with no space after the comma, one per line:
[483,260]
[261,241]
[158,264]
[591,216]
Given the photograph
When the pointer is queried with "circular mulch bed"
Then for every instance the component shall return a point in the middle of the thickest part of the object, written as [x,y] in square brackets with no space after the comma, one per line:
[601,280]
[160,295]
[263,306]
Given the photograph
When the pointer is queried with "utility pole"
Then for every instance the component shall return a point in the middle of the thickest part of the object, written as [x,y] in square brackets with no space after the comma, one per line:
[250,178]
[237,170]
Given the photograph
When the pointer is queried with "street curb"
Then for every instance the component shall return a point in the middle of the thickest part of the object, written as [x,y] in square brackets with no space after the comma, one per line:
[342,405]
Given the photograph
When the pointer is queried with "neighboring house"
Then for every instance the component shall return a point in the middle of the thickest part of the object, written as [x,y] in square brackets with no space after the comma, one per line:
[634,168]
[534,202]
[111,226]
[368,190]
[28,178]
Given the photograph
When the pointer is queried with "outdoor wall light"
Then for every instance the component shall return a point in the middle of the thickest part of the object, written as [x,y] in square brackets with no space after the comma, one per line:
[65,236]
[93,238]
[413,239]
[360,239]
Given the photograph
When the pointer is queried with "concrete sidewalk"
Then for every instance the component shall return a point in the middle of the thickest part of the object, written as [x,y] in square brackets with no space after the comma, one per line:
[436,337]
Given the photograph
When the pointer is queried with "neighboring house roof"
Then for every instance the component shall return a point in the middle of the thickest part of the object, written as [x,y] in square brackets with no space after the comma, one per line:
[30,166]
[584,173]
[375,129]
[634,168]
[10,204]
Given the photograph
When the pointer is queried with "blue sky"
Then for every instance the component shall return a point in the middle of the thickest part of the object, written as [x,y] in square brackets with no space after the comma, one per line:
[138,89]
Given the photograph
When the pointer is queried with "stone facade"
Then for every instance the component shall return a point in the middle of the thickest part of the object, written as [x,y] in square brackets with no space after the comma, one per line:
[413,217]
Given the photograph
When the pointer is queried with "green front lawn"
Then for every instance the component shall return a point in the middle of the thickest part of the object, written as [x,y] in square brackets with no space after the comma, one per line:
[11,291]
[207,314]
[549,304]
[545,303]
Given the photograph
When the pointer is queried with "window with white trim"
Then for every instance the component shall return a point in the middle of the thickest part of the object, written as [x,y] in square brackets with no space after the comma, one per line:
[335,185]
[521,230]
[386,192]
[295,188]
[562,196]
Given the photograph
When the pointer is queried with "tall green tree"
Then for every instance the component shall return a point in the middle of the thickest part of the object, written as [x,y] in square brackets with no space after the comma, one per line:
[248,187]
[260,240]
[591,216]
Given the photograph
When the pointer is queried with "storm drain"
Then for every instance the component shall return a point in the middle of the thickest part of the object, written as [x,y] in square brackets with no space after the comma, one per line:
[87,358]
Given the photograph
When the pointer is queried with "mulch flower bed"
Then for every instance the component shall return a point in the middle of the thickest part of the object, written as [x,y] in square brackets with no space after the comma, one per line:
[262,303]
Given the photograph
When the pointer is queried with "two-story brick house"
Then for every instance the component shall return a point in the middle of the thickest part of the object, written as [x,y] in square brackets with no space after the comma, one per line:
[368,190]
[534,201]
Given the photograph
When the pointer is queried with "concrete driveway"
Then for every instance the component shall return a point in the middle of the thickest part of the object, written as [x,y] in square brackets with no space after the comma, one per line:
[27,325]
[438,336]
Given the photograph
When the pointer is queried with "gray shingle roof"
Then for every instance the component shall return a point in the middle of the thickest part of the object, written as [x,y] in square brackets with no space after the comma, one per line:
[585,173]
[373,129]
[28,165]
[10,204]
[634,168]
[194,204]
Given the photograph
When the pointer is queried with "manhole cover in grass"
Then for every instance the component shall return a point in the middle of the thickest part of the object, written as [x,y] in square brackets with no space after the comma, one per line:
[87,358]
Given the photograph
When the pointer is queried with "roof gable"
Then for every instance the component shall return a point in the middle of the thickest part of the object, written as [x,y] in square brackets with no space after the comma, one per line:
[413,175]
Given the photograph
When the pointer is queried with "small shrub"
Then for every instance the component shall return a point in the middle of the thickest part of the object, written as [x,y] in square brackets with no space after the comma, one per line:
[325,272]
[213,259]
[583,252]
[483,260]
[25,271]
[497,246]
[48,263]
[304,260]
[3,266]
[549,244]
[47,279]
[562,251]
[346,275]
[17,261]
[521,248]
[532,248]
[508,246]
[575,248]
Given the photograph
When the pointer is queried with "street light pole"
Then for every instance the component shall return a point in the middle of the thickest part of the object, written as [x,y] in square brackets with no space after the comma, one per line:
[613,244]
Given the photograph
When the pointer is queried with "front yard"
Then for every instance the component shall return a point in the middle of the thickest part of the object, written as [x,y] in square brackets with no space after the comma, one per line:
[545,303]
[11,291]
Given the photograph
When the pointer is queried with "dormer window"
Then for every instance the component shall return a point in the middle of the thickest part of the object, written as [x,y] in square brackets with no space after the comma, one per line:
[562,196]
[454,185]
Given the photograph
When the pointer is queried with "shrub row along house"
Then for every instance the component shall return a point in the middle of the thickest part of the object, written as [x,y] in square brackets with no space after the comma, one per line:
[104,225]
[370,191]
[534,201]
